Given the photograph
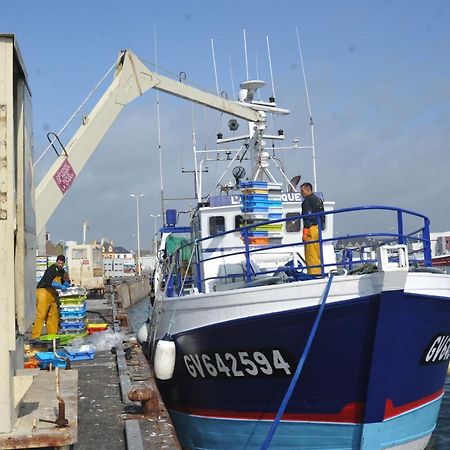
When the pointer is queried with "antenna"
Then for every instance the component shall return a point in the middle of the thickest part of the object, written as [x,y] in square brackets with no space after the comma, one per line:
[245,52]
[214,63]
[231,75]
[270,66]
[197,170]
[158,121]
[257,75]
[311,123]
[194,149]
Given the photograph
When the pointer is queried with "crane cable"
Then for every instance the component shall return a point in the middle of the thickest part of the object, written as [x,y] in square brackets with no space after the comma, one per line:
[79,108]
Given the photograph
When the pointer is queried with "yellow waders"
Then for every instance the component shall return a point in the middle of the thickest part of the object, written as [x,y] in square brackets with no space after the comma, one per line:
[312,251]
[47,310]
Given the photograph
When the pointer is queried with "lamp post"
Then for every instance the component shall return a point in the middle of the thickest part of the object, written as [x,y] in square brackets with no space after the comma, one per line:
[137,197]
[155,240]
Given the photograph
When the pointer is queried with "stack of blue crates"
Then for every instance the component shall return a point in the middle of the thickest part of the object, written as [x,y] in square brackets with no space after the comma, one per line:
[255,208]
[73,311]
[261,202]
[275,212]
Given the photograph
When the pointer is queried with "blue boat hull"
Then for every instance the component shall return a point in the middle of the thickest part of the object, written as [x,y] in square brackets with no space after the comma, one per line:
[374,376]
[207,433]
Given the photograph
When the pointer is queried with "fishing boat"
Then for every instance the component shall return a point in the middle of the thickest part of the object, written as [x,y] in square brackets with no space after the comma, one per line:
[251,350]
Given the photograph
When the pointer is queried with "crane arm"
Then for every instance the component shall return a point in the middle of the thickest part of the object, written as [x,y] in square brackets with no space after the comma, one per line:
[131,80]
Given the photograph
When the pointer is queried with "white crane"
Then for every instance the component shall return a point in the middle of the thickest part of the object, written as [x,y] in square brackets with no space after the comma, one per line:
[131,79]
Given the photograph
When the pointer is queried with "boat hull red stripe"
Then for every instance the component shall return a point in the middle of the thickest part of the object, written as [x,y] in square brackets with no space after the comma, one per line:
[392,411]
[351,413]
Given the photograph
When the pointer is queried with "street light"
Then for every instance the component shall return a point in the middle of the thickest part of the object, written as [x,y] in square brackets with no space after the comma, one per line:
[155,240]
[137,197]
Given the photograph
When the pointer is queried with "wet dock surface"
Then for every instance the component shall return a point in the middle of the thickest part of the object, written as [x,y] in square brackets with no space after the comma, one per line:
[107,418]
[98,409]
[100,406]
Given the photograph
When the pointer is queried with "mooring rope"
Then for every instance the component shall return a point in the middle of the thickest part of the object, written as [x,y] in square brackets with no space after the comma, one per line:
[300,365]
[172,320]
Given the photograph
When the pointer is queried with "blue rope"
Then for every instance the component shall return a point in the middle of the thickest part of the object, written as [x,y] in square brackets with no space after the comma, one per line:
[300,365]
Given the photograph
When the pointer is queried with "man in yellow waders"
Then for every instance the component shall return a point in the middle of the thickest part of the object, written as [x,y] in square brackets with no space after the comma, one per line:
[311,204]
[47,309]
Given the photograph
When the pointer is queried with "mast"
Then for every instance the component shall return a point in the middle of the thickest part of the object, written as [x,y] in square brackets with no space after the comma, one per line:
[311,122]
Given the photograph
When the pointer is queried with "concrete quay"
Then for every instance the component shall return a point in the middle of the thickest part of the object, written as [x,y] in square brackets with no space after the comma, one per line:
[94,392]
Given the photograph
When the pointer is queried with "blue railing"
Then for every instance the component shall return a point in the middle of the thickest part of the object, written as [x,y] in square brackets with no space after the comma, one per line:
[344,251]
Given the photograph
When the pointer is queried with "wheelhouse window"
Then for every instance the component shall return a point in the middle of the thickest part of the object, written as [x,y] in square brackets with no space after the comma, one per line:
[292,226]
[216,225]
[238,221]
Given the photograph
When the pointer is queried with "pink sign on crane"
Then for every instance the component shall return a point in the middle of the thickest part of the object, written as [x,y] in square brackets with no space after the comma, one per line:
[64,176]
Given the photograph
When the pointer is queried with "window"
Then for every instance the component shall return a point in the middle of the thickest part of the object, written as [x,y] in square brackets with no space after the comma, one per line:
[238,221]
[216,225]
[98,258]
[79,253]
[292,226]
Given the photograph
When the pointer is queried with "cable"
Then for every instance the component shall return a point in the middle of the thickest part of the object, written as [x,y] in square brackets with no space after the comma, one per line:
[78,109]
[300,365]
[172,320]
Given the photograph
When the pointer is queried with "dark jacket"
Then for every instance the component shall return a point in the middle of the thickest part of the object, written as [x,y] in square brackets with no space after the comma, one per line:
[312,204]
[51,272]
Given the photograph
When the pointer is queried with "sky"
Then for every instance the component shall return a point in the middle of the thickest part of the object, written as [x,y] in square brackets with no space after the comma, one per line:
[378,82]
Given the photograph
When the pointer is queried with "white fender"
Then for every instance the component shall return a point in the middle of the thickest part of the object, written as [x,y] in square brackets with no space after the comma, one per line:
[164,362]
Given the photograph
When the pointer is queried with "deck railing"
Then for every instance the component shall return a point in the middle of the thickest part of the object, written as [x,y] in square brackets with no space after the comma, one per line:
[348,256]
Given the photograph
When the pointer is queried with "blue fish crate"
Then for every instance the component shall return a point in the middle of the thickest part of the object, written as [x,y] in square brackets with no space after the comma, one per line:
[257,233]
[253,184]
[253,208]
[71,324]
[81,353]
[70,314]
[251,203]
[254,197]
[72,333]
[255,217]
[75,308]
[73,316]
[47,358]
[275,216]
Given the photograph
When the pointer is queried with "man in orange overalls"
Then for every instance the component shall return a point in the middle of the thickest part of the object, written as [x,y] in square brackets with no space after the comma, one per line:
[311,204]
[47,309]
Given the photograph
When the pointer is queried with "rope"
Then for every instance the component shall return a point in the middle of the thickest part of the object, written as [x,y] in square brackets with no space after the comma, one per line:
[78,109]
[160,294]
[159,297]
[300,365]
[172,320]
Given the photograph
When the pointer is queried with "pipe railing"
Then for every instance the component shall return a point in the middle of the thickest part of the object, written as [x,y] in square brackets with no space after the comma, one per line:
[379,238]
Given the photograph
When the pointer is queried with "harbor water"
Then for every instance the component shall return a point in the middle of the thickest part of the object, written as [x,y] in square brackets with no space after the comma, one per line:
[441,437]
